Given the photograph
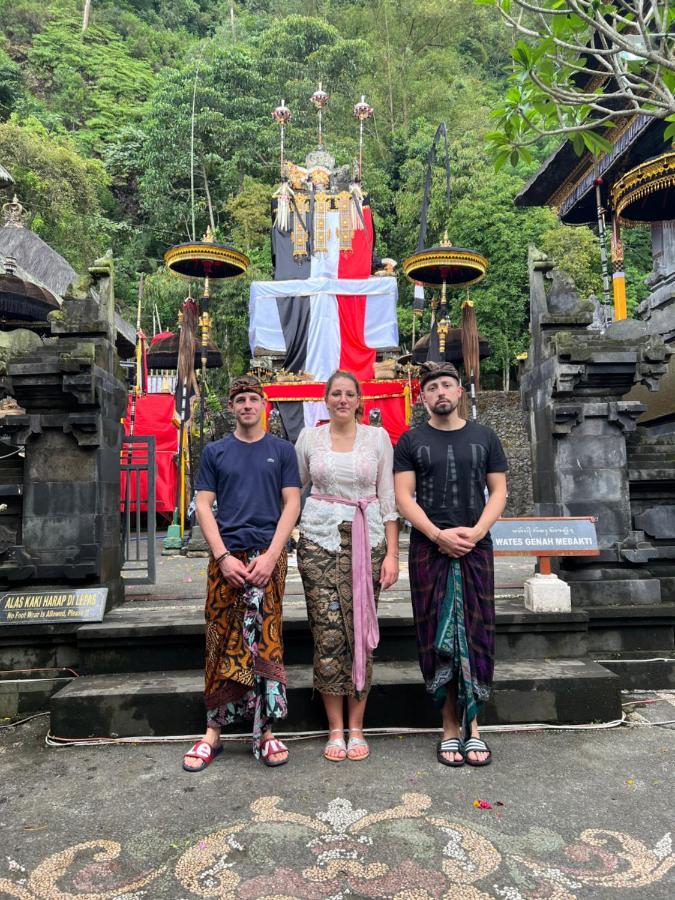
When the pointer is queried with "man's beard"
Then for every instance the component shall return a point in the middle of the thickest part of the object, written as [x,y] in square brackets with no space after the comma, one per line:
[448,407]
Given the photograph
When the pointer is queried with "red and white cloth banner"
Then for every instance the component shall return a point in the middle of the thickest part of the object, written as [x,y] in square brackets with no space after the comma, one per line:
[351,314]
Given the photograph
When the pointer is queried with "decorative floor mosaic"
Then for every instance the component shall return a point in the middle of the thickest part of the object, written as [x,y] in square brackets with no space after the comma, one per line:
[405,852]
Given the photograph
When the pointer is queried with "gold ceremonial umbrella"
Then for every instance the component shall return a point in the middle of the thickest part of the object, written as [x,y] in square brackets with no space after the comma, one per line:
[647,192]
[213,262]
[445,265]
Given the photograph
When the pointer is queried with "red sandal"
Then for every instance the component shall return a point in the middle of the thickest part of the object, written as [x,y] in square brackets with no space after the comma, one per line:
[270,747]
[205,752]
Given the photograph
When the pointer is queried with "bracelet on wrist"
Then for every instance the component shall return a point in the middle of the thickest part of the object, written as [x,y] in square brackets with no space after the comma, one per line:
[222,557]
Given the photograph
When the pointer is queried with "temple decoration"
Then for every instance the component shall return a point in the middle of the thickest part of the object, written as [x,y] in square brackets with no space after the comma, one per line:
[618,273]
[602,240]
[443,266]
[213,262]
[470,345]
[646,193]
[282,116]
[362,111]
[332,302]
[454,266]
[320,100]
[14,214]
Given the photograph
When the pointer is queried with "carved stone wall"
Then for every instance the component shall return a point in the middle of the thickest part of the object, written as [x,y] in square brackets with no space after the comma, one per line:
[65,523]
[574,388]
[503,412]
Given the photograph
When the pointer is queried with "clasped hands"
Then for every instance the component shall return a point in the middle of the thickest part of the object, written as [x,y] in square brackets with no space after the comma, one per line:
[459,541]
[258,571]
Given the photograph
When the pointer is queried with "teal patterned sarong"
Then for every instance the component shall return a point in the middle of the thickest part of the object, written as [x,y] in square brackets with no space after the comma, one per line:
[451,642]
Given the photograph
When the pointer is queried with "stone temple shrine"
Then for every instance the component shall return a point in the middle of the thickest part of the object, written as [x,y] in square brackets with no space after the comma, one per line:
[591,434]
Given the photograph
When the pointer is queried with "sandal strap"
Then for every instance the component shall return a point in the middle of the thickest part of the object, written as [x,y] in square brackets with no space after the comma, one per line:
[451,745]
[336,743]
[356,742]
[201,750]
[477,745]
[272,746]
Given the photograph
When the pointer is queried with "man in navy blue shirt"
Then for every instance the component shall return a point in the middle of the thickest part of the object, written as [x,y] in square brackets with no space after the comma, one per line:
[254,478]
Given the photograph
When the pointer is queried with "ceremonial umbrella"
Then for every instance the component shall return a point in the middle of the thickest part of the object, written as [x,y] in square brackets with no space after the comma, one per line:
[445,265]
[213,262]
[647,192]
[453,348]
[644,194]
[23,301]
[163,353]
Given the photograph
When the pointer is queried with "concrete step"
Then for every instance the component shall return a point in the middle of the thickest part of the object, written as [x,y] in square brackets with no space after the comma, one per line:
[643,671]
[170,703]
[155,636]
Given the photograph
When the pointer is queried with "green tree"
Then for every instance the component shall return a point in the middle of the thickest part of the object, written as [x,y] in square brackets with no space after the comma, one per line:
[89,78]
[65,194]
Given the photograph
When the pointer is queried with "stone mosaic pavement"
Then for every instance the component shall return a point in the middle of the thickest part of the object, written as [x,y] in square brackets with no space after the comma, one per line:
[559,815]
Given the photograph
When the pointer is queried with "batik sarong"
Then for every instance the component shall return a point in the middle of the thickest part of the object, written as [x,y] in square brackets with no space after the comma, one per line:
[245,676]
[327,582]
[454,611]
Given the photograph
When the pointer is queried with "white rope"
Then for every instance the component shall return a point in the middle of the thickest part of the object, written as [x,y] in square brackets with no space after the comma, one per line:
[54,741]
[27,719]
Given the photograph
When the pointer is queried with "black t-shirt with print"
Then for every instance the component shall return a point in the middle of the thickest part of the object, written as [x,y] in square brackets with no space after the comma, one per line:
[450,469]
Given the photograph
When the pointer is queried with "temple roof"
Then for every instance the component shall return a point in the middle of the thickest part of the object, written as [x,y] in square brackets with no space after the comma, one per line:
[567,181]
[45,276]
[36,257]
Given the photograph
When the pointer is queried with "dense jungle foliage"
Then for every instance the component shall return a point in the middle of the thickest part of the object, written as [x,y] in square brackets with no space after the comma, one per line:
[95,127]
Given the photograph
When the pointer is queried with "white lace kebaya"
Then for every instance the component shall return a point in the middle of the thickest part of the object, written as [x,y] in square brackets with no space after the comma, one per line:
[366,470]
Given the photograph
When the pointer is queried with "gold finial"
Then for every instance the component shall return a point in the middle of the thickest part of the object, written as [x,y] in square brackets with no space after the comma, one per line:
[208,236]
[14,214]
[446,240]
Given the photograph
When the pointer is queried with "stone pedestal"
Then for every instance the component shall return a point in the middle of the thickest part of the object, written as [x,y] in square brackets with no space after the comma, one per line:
[197,545]
[547,593]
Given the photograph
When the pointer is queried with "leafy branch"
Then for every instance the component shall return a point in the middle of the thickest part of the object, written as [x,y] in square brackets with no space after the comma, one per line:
[580,66]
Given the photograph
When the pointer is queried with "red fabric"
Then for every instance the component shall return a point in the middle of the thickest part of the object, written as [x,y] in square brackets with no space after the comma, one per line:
[154,416]
[160,336]
[393,416]
[314,390]
[356,263]
[387,396]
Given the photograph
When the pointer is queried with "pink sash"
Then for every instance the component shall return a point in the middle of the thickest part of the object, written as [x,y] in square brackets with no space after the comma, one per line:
[366,628]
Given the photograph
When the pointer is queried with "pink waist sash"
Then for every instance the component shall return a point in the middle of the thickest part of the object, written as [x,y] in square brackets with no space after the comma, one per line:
[366,628]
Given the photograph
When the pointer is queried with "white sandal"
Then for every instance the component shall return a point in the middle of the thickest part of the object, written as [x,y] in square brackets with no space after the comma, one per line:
[336,744]
[357,742]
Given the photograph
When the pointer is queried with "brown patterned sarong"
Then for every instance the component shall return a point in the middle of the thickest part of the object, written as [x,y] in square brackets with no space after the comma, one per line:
[245,675]
[327,582]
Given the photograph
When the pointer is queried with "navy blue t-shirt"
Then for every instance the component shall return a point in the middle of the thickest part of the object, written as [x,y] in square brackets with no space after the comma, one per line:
[247,480]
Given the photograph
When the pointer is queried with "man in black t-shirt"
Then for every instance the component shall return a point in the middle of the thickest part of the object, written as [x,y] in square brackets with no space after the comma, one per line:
[443,471]
[254,477]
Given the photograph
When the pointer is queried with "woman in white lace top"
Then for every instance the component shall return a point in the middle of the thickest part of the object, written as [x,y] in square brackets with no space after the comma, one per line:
[348,552]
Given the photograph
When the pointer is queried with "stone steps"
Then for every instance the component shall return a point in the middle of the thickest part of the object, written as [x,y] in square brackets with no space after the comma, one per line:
[138,637]
[170,703]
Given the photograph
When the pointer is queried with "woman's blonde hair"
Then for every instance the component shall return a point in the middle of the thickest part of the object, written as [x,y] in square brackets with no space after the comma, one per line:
[342,373]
